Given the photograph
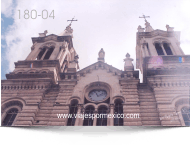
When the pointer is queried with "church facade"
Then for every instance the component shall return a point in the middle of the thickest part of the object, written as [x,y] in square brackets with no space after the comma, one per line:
[49,83]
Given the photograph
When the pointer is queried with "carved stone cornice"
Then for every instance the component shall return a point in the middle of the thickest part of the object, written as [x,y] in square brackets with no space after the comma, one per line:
[154,33]
[29,76]
[23,87]
[179,71]
[48,45]
[54,38]
[170,84]
[37,63]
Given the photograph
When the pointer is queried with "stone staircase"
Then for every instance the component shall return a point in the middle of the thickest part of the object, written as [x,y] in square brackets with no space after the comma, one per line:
[46,107]
[148,107]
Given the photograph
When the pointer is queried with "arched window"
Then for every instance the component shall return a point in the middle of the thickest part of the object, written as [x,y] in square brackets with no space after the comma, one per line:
[186,115]
[73,112]
[41,54]
[159,49]
[10,117]
[102,119]
[167,49]
[118,110]
[45,53]
[88,121]
[48,54]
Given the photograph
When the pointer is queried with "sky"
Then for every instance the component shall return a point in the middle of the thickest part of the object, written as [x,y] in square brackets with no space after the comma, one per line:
[107,24]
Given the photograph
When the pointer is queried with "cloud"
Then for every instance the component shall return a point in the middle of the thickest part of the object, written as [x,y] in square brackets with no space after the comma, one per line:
[7,7]
[3,46]
[111,25]
[2,37]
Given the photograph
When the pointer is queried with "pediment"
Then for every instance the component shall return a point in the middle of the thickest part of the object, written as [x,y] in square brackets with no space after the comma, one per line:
[154,33]
[50,37]
[99,65]
[43,39]
[53,37]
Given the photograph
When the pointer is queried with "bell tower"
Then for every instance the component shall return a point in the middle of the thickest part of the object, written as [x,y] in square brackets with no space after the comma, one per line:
[50,55]
[157,44]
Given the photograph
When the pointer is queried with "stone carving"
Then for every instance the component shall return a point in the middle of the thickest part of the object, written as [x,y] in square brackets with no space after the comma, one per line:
[76,58]
[143,41]
[161,40]
[101,53]
[64,45]
[67,32]
[51,37]
[148,28]
[69,29]
[128,63]
[48,45]
[140,29]
[43,34]
[169,28]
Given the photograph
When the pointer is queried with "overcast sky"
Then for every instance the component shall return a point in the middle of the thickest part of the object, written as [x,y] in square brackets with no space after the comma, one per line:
[107,24]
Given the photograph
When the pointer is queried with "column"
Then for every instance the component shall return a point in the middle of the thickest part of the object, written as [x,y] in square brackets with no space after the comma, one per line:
[143,52]
[44,54]
[66,77]
[163,49]
[78,120]
[95,119]
[152,49]
[63,66]
[72,77]
[146,49]
[60,53]
[111,120]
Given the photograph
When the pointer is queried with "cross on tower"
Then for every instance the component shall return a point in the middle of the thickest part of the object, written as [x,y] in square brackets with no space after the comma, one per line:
[145,17]
[72,20]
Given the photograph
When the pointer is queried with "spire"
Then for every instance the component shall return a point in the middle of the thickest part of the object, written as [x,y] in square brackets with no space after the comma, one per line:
[128,63]
[101,55]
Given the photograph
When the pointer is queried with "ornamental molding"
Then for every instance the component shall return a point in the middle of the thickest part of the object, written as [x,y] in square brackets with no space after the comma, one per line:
[48,45]
[160,41]
[97,66]
[170,84]
[23,87]
[50,37]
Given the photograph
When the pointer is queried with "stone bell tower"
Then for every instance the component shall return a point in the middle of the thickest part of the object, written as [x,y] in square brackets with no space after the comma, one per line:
[35,90]
[50,55]
[166,72]
[157,44]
